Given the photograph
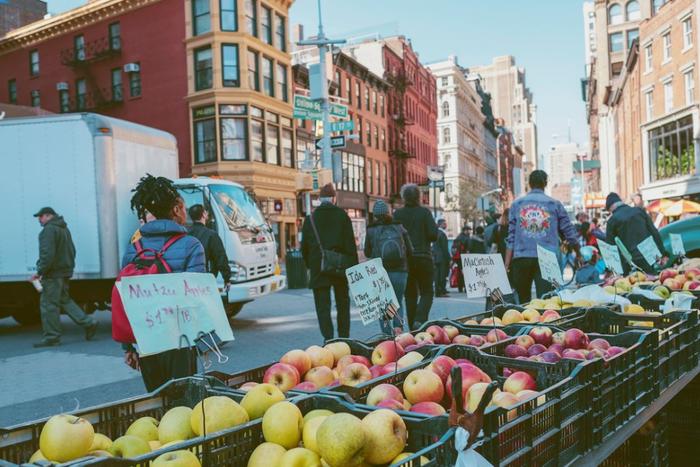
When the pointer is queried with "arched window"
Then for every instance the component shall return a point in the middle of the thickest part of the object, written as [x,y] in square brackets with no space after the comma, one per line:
[615,14]
[449,190]
[446,135]
[632,11]
[445,109]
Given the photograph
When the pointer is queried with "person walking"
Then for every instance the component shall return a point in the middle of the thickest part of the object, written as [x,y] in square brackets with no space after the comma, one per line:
[459,247]
[632,225]
[477,244]
[167,235]
[54,268]
[491,229]
[535,219]
[329,228]
[462,240]
[215,257]
[441,259]
[421,227]
[389,240]
[501,234]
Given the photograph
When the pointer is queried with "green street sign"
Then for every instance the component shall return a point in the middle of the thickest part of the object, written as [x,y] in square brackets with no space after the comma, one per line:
[343,125]
[339,110]
[306,115]
[307,109]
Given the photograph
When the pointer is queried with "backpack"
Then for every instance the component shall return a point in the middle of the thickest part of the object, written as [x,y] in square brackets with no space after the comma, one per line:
[146,261]
[391,246]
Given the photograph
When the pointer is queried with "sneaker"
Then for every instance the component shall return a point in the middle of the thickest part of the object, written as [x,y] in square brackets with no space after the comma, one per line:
[90,331]
[47,343]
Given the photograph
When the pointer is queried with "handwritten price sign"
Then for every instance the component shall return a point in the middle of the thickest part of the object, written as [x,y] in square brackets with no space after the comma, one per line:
[164,307]
[611,256]
[549,265]
[371,289]
[482,272]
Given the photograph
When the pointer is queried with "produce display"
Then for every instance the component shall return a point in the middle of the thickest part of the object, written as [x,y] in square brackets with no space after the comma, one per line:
[668,280]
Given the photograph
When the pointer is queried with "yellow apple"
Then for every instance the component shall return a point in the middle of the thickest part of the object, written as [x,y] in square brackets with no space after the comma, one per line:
[342,439]
[220,412]
[66,437]
[176,459]
[100,442]
[145,428]
[37,456]
[99,453]
[129,446]
[175,425]
[260,398]
[339,350]
[299,457]
[282,424]
[512,316]
[266,455]
[309,433]
[154,445]
[386,436]
[531,315]
[316,413]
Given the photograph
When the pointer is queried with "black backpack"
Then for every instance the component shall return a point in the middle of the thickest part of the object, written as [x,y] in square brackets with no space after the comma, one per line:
[391,246]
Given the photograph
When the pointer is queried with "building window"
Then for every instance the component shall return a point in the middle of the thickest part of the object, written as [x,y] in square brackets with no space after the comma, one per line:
[35,98]
[253,70]
[80,94]
[632,11]
[656,4]
[34,63]
[79,48]
[374,102]
[648,58]
[348,90]
[689,80]
[251,17]
[115,36]
[268,80]
[649,101]
[229,58]
[229,15]
[353,172]
[617,42]
[117,93]
[359,128]
[266,23]
[667,47]
[381,104]
[282,82]
[272,144]
[687,33]
[445,109]
[632,34]
[135,83]
[12,91]
[205,141]
[201,22]
[615,14]
[376,137]
[370,182]
[446,135]
[233,139]
[367,98]
[64,101]
[281,33]
[287,157]
[368,132]
[672,149]
[445,80]
[668,96]
[257,140]
[383,139]
[358,95]
[203,69]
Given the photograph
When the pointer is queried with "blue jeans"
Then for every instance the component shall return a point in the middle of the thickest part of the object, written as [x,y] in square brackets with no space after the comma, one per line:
[398,282]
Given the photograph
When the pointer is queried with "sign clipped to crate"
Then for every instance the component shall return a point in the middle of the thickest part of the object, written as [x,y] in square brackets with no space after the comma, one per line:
[483,273]
[371,290]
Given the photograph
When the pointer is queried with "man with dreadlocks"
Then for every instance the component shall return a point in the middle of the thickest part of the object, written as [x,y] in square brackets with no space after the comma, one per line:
[157,197]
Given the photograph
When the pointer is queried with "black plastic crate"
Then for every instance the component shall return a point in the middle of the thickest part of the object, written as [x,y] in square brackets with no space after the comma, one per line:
[567,315]
[684,431]
[648,447]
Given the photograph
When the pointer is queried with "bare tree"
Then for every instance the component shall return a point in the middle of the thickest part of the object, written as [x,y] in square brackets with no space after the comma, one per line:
[468,200]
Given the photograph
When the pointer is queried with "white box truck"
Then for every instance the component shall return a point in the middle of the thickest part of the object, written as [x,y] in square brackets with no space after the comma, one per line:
[85,166]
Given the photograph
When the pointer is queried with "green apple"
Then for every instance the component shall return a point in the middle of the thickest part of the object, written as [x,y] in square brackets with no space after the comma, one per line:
[175,425]
[66,437]
[260,398]
[309,433]
[299,457]
[282,424]
[386,436]
[129,446]
[662,291]
[100,442]
[317,413]
[176,459]
[265,455]
[145,428]
[220,413]
[99,453]
[341,439]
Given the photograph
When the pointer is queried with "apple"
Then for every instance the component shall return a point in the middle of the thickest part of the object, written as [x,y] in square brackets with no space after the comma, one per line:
[423,385]
[471,374]
[559,338]
[282,375]
[405,339]
[129,446]
[410,359]
[474,395]
[320,356]
[461,339]
[491,321]
[496,335]
[463,361]
[383,392]
[66,437]
[692,273]
[392,404]
[672,284]
[691,285]
[145,428]
[390,368]
[531,315]
[175,425]
[428,408]
[386,352]
[518,381]
[550,315]
[260,398]
[611,352]
[220,412]
[541,335]
[575,339]
[348,359]
[524,341]
[667,274]
[506,400]
[536,349]
[342,440]
[299,457]
[550,357]
[515,350]
[245,387]
[595,353]
[386,436]
[299,360]
[451,331]
[512,316]
[478,341]
[181,458]
[354,374]
[320,376]
[37,456]
[376,371]
[439,334]
[573,354]
[527,394]
[412,347]
[424,338]
[441,366]
[471,322]
[398,460]
[309,432]
[317,413]
[558,348]
[282,424]
[265,455]
[599,343]
[338,349]
[101,442]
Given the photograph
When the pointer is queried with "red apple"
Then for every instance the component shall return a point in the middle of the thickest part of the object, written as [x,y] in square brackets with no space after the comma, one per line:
[463,361]
[526,394]
[524,341]
[384,392]
[506,400]
[692,273]
[424,337]
[599,343]
[386,352]
[306,386]
[439,334]
[321,376]
[282,375]
[614,350]
[442,366]
[550,357]
[405,339]
[496,335]
[389,368]
[558,338]
[667,274]
[541,335]
[575,339]
[412,347]
[558,348]
[461,339]
[519,381]
[515,350]
[451,331]
[491,321]
[376,371]
[477,341]
[573,354]
[471,374]
[299,360]
[348,359]
[550,315]
[391,404]
[595,353]
[423,386]
[429,408]
[536,349]
[354,374]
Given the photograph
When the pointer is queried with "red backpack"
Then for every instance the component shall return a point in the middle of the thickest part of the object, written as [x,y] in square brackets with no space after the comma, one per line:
[146,261]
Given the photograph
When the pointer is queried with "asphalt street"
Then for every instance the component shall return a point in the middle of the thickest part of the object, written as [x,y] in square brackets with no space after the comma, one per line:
[36,383]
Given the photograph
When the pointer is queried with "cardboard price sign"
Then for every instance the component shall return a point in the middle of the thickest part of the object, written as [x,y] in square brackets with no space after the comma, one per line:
[611,256]
[625,252]
[549,266]
[163,307]
[371,290]
[677,246]
[649,250]
[484,272]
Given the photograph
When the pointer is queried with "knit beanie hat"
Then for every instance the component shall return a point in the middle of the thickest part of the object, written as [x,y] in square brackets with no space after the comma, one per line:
[380,209]
[612,198]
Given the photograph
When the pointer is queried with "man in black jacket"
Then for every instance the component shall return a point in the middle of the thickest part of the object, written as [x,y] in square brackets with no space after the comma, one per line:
[55,268]
[214,251]
[329,228]
[419,223]
[441,260]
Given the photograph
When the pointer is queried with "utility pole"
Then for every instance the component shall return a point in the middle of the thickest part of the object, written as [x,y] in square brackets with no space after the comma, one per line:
[322,42]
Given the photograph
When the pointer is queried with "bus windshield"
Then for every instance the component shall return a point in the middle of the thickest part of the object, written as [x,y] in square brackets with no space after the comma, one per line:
[238,208]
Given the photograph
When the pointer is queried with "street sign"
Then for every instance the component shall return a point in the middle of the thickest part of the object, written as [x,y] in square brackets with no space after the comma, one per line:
[436,172]
[336,142]
[437,184]
[343,125]
[338,110]
[306,108]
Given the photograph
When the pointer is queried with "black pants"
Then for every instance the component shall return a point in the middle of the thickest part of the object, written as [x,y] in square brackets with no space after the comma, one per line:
[440,273]
[522,272]
[322,299]
[158,369]
[420,284]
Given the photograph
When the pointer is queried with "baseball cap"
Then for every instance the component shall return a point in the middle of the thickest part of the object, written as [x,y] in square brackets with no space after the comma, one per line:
[45,210]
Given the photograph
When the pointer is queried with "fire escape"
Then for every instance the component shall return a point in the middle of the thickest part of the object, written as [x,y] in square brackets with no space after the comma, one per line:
[81,59]
[399,153]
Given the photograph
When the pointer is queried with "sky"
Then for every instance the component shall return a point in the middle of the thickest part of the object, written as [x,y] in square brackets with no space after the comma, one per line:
[544,36]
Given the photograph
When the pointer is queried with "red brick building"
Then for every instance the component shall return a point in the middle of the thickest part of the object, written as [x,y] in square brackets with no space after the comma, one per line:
[17,13]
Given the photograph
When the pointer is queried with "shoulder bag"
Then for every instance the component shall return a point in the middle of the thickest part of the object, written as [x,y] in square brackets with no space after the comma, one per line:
[333,264]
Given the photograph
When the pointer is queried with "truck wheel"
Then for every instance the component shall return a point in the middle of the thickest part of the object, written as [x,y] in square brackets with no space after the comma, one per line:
[27,315]
[232,309]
